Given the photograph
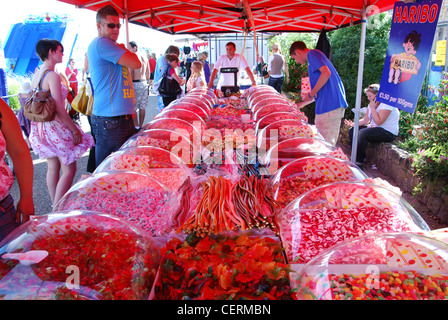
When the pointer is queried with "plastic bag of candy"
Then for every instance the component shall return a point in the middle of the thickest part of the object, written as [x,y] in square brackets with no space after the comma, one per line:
[174,124]
[286,129]
[250,93]
[201,100]
[142,159]
[301,175]
[160,138]
[329,214]
[201,111]
[255,99]
[78,255]
[179,113]
[386,266]
[135,197]
[281,153]
[277,116]
[271,106]
[232,265]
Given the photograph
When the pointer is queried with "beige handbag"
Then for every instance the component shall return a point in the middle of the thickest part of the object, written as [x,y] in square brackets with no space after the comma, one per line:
[41,107]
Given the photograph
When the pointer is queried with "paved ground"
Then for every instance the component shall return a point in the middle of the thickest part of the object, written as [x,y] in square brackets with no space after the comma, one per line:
[43,203]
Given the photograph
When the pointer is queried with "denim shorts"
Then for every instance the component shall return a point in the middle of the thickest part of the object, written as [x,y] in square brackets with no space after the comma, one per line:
[110,133]
[7,217]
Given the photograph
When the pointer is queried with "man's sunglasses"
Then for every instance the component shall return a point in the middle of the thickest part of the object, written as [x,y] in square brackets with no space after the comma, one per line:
[113,25]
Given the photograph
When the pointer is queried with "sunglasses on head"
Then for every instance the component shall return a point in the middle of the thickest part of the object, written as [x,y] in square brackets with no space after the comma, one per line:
[373,88]
[113,25]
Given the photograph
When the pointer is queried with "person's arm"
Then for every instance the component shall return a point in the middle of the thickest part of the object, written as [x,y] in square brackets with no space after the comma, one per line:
[21,158]
[86,68]
[380,116]
[271,57]
[68,71]
[212,78]
[54,83]
[364,121]
[251,76]
[325,74]
[245,65]
[177,78]
[285,69]
[145,65]
[129,59]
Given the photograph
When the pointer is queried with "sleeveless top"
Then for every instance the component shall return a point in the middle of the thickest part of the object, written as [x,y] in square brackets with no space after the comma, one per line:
[276,65]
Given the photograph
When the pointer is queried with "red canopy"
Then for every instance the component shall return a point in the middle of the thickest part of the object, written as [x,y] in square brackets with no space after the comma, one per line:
[224,16]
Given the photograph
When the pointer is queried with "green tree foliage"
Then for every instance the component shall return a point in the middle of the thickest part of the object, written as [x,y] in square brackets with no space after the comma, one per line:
[296,72]
[345,45]
[429,148]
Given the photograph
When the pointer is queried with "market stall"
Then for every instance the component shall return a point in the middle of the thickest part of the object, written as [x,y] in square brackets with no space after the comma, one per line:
[148,224]
[237,219]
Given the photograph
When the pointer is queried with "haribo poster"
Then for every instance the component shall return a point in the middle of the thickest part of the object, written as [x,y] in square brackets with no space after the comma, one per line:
[410,42]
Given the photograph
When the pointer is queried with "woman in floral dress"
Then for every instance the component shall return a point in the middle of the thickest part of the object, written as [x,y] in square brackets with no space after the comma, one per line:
[11,140]
[60,141]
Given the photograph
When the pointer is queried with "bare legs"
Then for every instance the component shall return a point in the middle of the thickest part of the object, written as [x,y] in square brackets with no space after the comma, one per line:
[59,178]
[139,117]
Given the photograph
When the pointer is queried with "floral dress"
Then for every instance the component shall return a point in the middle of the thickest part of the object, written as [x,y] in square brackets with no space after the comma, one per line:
[54,139]
[6,176]
[194,82]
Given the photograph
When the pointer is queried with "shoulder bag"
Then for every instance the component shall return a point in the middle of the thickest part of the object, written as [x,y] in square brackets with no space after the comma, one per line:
[41,107]
[169,87]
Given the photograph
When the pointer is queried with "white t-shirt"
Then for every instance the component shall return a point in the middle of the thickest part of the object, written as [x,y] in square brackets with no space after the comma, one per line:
[391,123]
[227,79]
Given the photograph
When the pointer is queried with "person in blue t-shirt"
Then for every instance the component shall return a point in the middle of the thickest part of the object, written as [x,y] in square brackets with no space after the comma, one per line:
[113,107]
[161,66]
[327,90]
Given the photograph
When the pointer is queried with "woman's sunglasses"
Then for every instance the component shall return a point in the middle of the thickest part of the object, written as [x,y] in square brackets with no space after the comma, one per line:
[374,88]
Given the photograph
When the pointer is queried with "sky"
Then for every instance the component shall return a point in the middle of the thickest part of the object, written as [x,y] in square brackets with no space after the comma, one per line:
[16,11]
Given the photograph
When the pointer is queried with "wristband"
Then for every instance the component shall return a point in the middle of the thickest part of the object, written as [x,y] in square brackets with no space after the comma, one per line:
[309,96]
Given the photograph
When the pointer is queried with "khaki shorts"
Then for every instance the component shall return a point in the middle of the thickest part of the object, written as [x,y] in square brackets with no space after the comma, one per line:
[329,123]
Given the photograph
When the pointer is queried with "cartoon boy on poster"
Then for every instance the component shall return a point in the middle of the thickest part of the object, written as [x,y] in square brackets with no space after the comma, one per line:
[405,64]
[408,53]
